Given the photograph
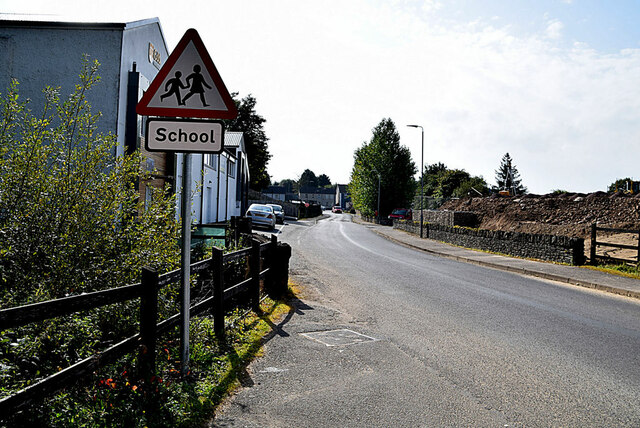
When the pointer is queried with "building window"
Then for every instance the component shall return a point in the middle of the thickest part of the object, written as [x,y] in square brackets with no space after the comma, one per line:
[231,168]
[211,160]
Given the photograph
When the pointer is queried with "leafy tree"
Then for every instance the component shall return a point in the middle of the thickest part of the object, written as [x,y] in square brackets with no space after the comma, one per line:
[383,159]
[442,182]
[473,186]
[508,177]
[621,184]
[252,125]
[72,221]
[324,180]
[308,179]
[289,185]
[449,181]
[431,178]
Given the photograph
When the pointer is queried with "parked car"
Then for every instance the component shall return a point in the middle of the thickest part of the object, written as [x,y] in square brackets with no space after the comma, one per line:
[401,214]
[336,210]
[262,215]
[277,209]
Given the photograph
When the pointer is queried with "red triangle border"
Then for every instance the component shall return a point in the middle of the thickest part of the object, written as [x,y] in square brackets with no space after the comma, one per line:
[191,35]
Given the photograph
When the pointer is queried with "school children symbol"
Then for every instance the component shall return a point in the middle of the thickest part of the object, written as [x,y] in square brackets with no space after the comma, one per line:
[195,84]
[188,85]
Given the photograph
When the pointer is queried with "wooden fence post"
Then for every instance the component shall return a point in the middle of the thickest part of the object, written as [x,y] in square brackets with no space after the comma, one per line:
[639,246]
[148,319]
[254,269]
[216,272]
[592,255]
[270,281]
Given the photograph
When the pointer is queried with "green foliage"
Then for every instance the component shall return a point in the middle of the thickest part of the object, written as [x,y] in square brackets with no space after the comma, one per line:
[471,186]
[308,179]
[252,125]
[324,180]
[623,185]
[442,182]
[432,174]
[508,177]
[71,221]
[385,158]
[290,185]
[71,218]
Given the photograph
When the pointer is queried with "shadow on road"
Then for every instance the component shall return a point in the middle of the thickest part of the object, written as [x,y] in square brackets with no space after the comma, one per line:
[239,363]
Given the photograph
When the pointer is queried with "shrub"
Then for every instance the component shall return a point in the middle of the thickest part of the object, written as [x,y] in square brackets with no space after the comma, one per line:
[71,221]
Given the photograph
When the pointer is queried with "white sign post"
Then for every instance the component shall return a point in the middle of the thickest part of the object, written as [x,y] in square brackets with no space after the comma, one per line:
[187,86]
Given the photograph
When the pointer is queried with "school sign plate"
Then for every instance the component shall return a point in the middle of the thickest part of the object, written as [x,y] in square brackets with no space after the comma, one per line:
[184,136]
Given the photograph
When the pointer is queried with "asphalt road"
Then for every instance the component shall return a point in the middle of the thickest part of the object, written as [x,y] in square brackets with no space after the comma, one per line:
[445,344]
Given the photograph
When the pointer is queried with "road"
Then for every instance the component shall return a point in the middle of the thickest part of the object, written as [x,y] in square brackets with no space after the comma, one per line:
[445,344]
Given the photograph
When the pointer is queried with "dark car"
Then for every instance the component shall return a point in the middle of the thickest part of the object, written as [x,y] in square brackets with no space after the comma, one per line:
[277,209]
[401,214]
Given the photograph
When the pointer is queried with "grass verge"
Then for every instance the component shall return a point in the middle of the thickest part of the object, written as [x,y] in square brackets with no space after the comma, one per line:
[621,270]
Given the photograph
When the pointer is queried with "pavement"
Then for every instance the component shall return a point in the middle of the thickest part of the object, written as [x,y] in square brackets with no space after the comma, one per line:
[575,275]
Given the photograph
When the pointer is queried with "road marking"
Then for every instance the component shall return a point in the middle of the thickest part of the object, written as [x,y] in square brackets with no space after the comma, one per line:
[341,227]
[340,337]
[273,370]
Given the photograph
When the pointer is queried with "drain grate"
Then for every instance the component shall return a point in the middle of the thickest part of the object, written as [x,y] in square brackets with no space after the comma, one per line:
[339,337]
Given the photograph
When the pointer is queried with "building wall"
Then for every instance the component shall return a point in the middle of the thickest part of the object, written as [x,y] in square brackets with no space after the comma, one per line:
[50,54]
[278,196]
[135,49]
[321,198]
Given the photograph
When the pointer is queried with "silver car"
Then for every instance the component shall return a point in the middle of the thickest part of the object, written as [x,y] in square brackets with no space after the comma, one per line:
[262,215]
[277,209]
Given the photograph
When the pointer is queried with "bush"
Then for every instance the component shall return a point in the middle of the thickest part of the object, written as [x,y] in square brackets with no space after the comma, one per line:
[71,221]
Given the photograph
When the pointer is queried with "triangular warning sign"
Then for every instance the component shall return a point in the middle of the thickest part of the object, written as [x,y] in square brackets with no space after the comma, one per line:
[188,85]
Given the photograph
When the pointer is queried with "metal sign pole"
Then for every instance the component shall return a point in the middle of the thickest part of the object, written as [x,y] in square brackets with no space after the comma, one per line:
[185,264]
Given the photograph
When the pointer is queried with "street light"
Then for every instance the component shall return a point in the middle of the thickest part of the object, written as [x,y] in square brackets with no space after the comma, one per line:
[421,180]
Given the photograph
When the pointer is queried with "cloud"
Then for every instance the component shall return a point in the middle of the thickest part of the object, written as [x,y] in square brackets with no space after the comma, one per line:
[554,30]
[325,73]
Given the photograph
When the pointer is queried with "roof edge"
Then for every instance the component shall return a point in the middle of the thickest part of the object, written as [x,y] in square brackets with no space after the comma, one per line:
[62,24]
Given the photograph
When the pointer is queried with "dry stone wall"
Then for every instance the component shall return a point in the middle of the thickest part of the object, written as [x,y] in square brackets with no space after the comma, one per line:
[448,218]
[553,248]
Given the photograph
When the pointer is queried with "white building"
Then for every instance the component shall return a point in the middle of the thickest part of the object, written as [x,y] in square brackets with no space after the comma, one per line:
[219,182]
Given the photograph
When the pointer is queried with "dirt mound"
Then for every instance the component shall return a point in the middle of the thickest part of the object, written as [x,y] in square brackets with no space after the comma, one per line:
[569,214]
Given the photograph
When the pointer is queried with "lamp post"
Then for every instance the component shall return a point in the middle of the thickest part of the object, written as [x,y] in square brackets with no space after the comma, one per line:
[421,180]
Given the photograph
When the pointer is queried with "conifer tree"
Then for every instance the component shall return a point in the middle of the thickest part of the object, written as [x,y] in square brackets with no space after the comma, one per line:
[508,177]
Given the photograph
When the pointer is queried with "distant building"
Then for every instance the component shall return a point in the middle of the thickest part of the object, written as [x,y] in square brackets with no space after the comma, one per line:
[220,182]
[275,192]
[342,197]
[321,195]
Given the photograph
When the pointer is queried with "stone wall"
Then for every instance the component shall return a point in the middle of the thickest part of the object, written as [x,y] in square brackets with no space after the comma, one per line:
[448,218]
[553,248]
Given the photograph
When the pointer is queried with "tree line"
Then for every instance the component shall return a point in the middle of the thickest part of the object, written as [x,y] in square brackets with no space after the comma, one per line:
[308,178]
[383,175]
